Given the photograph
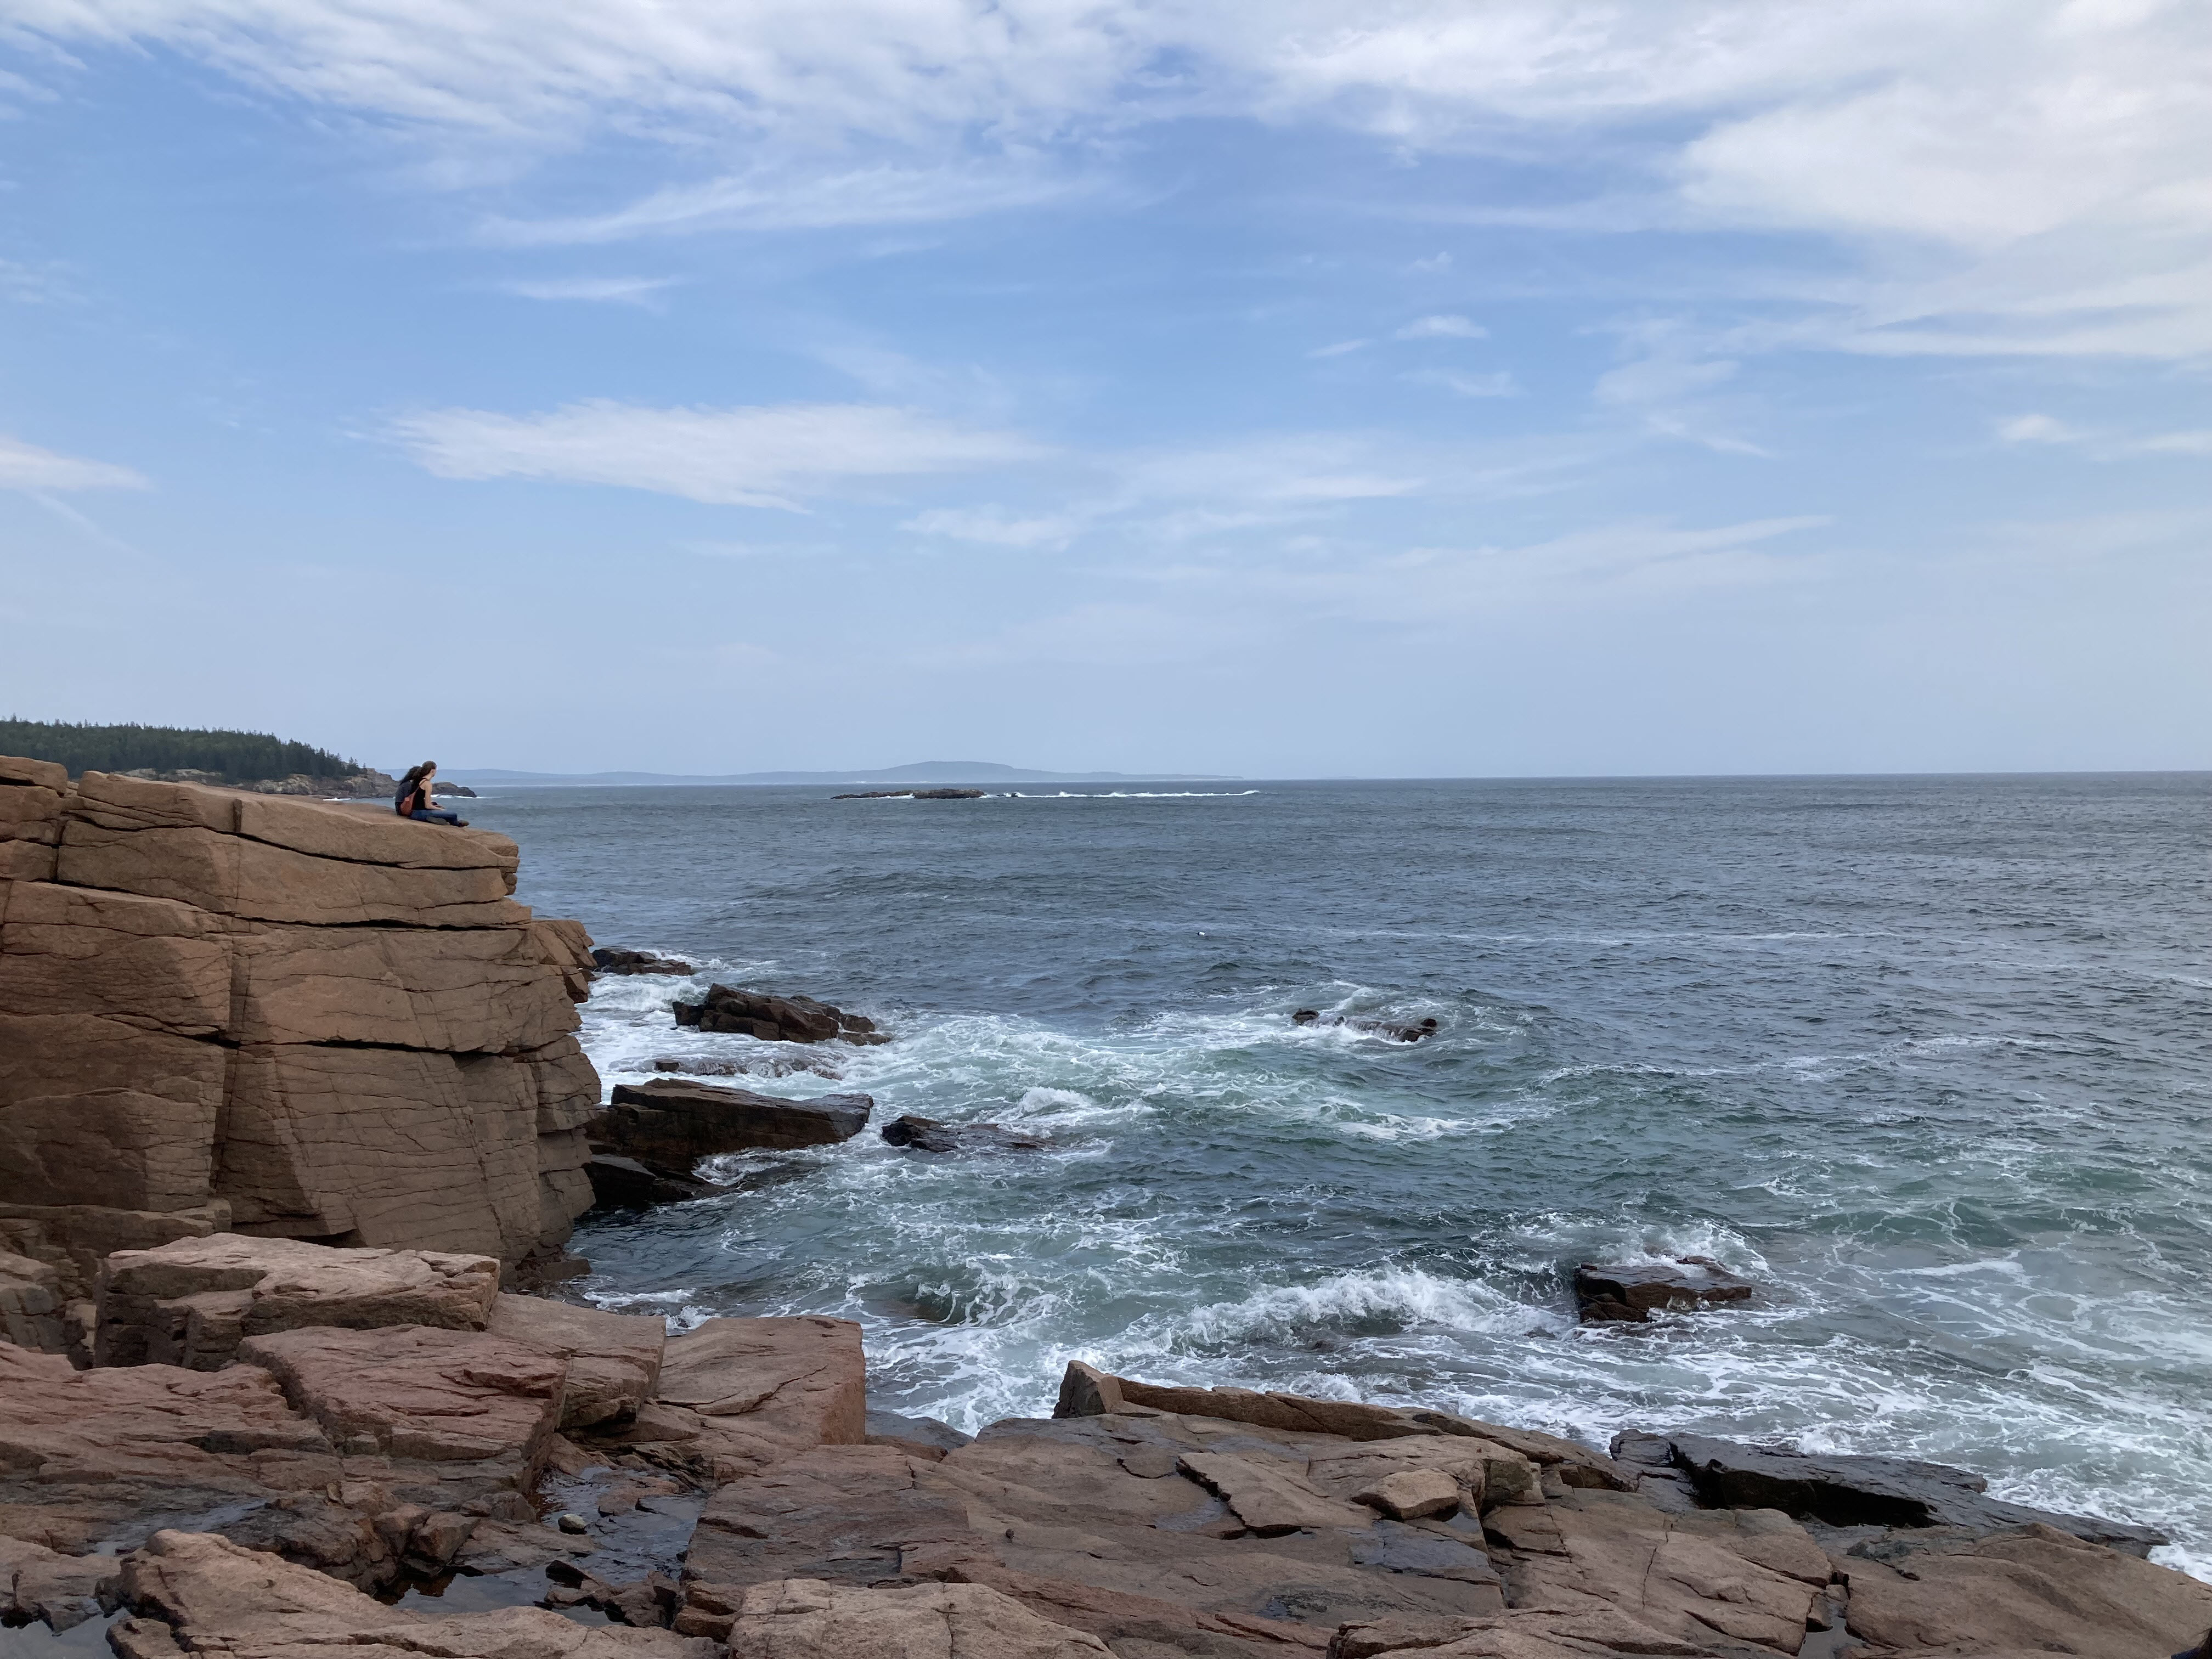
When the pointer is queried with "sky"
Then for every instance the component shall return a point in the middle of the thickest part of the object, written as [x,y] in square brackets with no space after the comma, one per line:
[1406,388]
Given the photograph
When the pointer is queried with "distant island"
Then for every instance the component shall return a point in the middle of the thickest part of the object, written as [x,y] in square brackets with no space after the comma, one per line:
[919,772]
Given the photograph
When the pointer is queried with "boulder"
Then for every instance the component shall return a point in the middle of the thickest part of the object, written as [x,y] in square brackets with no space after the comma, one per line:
[607,961]
[61,1591]
[1846,1491]
[925,1437]
[2034,1588]
[809,1619]
[1628,1294]
[469,1398]
[759,1389]
[95,1460]
[31,1304]
[1411,1494]
[927,1134]
[192,1593]
[192,1301]
[774,1018]
[675,1124]
[613,1359]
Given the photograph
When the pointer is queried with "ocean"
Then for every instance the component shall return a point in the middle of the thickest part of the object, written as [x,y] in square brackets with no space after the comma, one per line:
[1928,1058]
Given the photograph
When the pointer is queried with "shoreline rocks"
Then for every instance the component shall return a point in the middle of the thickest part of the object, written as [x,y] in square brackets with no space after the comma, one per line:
[927,1135]
[607,961]
[774,1018]
[1369,1025]
[912,794]
[244,1510]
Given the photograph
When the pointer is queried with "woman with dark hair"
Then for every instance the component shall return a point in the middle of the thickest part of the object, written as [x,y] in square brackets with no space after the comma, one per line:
[414,799]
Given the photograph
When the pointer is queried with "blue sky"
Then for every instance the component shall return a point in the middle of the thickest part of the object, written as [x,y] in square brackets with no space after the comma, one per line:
[1523,388]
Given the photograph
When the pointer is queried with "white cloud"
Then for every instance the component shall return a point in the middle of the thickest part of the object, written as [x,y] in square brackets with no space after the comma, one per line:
[762,456]
[1443,328]
[2015,175]
[620,290]
[1499,384]
[1340,349]
[2037,430]
[804,198]
[26,466]
[995,527]
[2180,443]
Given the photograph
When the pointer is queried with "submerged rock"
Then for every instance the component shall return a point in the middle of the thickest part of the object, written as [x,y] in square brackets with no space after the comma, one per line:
[1628,1294]
[764,1063]
[1372,1025]
[774,1018]
[627,1183]
[927,1134]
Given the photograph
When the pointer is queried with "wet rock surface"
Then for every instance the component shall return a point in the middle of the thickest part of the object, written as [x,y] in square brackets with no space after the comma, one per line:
[674,1123]
[774,1019]
[927,1134]
[1628,1295]
[1398,1031]
[606,960]
[912,794]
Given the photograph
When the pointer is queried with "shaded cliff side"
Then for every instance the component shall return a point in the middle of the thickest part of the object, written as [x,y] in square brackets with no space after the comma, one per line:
[228,1012]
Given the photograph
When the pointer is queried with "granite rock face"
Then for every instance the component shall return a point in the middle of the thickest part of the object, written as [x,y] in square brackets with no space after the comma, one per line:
[286,1017]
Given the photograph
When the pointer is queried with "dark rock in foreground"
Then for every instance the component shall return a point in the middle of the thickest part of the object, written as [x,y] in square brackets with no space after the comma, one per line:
[927,1135]
[909,1433]
[675,1124]
[1396,1030]
[1840,1490]
[625,1183]
[637,962]
[912,794]
[1627,1295]
[774,1020]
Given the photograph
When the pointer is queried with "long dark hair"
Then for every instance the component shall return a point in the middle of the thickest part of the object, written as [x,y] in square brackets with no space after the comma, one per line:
[415,773]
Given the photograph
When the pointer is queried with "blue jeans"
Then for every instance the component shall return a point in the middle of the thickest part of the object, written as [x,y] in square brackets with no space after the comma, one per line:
[429,817]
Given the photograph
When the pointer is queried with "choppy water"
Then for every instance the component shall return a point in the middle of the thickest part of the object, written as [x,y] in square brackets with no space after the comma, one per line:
[1929,1057]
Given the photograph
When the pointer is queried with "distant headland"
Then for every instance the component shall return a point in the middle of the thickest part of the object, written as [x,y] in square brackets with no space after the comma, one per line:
[917,772]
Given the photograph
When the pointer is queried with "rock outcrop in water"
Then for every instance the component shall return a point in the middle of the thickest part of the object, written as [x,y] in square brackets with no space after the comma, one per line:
[774,1018]
[1607,1295]
[637,962]
[345,1446]
[221,1011]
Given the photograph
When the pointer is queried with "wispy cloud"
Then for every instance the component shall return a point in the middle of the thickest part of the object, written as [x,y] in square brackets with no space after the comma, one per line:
[993,526]
[1445,327]
[762,456]
[28,467]
[802,198]
[1498,384]
[2102,446]
[616,290]
[1340,349]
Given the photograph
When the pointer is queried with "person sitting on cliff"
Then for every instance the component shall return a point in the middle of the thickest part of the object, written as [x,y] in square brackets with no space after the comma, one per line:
[415,800]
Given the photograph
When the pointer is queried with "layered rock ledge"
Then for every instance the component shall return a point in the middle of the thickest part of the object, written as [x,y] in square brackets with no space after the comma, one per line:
[222,1011]
[391,1419]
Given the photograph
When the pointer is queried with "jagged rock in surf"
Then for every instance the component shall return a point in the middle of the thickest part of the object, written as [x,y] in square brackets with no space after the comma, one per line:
[1853,1491]
[927,1134]
[674,1124]
[1611,1294]
[1372,1025]
[774,1018]
[608,961]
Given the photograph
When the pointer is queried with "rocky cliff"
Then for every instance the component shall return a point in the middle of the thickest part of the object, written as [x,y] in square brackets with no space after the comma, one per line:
[221,1011]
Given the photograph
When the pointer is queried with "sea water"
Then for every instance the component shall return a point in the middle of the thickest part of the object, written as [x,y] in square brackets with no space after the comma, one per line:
[1928,1058]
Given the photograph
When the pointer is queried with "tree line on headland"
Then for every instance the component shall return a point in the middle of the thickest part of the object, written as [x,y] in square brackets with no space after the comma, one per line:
[235,756]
